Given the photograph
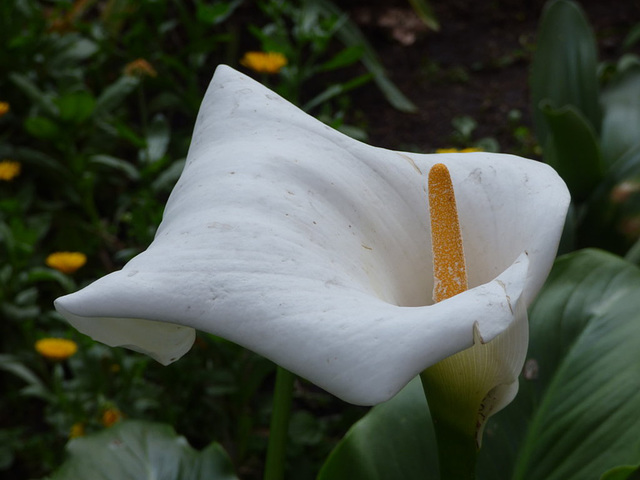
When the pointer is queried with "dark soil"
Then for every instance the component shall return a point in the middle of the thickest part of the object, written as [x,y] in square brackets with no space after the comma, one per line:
[477,65]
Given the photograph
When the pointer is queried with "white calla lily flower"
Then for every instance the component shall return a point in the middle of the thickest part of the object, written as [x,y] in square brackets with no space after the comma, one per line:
[313,250]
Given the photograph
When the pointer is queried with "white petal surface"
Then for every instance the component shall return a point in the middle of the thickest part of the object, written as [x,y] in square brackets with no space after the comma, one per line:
[313,249]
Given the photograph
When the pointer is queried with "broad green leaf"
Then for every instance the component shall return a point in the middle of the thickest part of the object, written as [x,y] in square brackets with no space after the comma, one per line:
[132,450]
[626,472]
[621,120]
[564,70]
[599,224]
[585,339]
[576,414]
[75,107]
[395,440]
[572,149]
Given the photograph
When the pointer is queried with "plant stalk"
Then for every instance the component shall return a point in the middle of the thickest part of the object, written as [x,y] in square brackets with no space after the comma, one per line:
[276,449]
[455,433]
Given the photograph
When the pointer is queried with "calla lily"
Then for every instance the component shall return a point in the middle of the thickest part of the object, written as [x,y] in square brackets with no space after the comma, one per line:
[313,249]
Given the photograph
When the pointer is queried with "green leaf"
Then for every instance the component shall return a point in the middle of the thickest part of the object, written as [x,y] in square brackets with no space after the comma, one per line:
[343,58]
[169,176]
[42,127]
[564,69]
[157,142]
[335,90]
[38,274]
[575,416]
[117,164]
[426,14]
[113,96]
[395,440]
[133,449]
[632,37]
[36,95]
[573,150]
[76,107]
[35,387]
[623,472]
[350,34]
[585,341]
[621,121]
[217,12]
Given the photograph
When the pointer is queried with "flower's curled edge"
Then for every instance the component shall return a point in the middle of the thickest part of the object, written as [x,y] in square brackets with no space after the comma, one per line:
[313,249]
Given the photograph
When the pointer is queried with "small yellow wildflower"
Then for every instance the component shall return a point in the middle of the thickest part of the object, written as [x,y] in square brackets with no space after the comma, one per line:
[455,150]
[77,430]
[66,262]
[56,349]
[4,108]
[9,170]
[140,68]
[264,62]
[111,416]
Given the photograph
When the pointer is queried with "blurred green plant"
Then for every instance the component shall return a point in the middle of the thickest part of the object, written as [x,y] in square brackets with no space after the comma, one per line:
[586,118]
[305,32]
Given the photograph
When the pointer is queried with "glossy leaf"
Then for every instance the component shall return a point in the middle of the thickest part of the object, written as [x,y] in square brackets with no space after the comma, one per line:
[585,341]
[132,450]
[564,70]
[621,122]
[572,149]
[394,440]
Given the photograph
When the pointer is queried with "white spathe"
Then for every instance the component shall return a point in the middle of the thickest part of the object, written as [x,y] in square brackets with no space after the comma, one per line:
[313,249]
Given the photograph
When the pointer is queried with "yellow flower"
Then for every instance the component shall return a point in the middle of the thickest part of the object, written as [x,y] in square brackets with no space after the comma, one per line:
[77,430]
[4,108]
[66,262]
[111,416]
[9,170]
[455,150]
[57,349]
[264,62]
[140,68]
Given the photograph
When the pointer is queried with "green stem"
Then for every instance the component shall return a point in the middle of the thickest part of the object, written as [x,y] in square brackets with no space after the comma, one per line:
[282,399]
[455,433]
